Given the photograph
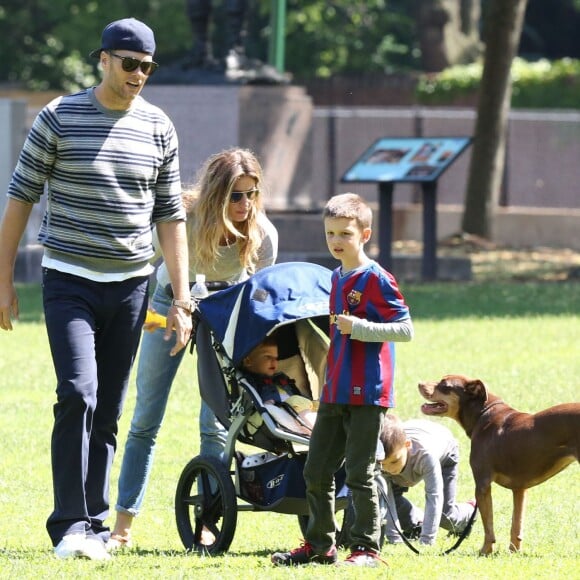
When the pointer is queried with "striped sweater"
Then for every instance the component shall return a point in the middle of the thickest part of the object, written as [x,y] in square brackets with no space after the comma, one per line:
[109,176]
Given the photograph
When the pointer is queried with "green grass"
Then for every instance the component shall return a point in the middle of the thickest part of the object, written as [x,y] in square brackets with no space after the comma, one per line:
[521,339]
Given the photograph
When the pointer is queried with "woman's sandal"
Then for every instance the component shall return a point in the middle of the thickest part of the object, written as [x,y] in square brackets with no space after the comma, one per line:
[117,543]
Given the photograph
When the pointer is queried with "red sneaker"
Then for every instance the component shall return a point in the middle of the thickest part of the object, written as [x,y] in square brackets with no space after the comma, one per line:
[362,556]
[304,555]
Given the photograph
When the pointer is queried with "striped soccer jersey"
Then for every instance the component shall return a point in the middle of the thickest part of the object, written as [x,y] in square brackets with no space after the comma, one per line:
[361,373]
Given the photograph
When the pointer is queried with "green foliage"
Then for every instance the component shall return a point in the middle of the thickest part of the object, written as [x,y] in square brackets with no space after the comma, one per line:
[545,84]
[48,42]
[45,45]
[521,339]
[539,85]
[326,38]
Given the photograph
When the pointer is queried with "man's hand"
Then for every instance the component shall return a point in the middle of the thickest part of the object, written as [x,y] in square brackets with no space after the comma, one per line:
[8,306]
[178,319]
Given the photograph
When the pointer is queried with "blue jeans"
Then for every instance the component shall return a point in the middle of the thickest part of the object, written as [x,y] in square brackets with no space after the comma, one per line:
[156,371]
[94,330]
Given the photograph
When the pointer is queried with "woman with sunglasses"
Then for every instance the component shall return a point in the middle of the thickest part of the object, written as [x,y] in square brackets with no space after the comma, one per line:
[229,238]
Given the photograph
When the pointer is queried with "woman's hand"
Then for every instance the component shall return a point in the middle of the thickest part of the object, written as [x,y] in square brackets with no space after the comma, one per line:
[178,320]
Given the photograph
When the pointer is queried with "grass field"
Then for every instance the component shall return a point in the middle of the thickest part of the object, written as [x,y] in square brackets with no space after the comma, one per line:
[522,339]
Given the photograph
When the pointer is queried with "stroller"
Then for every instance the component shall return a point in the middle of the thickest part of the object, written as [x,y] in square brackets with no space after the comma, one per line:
[290,300]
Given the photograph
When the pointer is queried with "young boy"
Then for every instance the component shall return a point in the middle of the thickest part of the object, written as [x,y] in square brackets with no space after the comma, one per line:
[276,387]
[367,313]
[414,451]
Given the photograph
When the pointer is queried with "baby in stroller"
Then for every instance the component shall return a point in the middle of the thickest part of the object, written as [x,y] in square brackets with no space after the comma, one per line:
[278,391]
[233,324]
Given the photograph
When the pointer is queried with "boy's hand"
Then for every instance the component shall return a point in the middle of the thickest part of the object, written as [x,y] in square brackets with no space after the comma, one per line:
[344,323]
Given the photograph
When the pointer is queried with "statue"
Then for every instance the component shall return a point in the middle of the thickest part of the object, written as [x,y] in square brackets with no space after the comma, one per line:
[448,33]
[235,66]
[199,14]
[227,65]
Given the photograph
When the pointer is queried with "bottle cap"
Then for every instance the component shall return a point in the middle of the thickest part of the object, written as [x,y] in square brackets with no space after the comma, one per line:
[200,278]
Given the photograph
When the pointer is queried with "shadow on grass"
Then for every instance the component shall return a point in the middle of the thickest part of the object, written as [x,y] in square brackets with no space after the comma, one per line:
[153,552]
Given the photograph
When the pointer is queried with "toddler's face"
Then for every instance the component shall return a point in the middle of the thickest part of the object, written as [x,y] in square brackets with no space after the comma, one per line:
[394,463]
[263,360]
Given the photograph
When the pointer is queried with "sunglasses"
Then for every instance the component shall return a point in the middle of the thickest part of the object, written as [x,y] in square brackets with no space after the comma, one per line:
[236,196]
[130,64]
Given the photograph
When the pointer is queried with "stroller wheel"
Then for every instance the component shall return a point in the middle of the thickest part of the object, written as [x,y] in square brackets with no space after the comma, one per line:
[206,498]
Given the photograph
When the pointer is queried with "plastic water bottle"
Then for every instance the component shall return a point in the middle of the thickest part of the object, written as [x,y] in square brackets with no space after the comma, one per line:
[199,290]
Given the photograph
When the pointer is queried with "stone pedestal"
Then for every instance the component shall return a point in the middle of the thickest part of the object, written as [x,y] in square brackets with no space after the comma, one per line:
[272,121]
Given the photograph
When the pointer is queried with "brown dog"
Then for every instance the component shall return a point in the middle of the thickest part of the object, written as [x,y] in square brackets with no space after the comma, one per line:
[513,449]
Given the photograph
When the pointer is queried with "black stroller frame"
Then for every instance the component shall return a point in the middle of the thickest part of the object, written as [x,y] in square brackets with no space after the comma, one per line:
[212,491]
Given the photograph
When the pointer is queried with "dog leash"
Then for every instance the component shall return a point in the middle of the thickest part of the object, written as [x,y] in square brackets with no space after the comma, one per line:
[403,537]
[466,531]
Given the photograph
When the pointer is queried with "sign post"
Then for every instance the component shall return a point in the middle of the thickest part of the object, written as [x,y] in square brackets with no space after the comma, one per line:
[407,160]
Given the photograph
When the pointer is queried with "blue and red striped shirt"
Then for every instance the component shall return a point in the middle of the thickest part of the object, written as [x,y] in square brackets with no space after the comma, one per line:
[362,373]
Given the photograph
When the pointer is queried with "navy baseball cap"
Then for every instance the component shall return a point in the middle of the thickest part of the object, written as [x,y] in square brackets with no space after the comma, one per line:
[127,34]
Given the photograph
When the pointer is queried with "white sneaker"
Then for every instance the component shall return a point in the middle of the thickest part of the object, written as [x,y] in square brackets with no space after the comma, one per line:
[95,549]
[79,546]
[70,546]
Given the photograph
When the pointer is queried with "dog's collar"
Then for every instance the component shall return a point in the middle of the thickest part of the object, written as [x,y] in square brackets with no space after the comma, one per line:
[470,428]
[488,407]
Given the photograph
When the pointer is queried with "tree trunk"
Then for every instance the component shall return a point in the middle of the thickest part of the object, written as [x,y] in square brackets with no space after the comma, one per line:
[503,29]
[448,32]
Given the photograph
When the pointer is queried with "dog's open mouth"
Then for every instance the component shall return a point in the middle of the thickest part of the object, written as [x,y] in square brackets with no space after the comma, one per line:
[436,408]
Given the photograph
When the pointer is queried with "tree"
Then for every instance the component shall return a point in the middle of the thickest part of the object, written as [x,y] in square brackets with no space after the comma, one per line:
[329,37]
[46,43]
[448,32]
[503,30]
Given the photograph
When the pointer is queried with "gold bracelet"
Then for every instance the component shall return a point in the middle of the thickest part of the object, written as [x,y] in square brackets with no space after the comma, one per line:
[183,304]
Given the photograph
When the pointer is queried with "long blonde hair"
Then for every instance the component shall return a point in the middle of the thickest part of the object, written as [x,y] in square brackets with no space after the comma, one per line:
[207,208]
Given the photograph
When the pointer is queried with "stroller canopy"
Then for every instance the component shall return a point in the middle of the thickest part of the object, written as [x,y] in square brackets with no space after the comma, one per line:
[240,317]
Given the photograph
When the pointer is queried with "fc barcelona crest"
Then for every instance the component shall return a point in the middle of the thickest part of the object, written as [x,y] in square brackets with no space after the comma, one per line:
[353,297]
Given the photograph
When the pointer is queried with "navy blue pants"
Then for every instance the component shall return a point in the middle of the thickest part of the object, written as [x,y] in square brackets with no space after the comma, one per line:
[94,330]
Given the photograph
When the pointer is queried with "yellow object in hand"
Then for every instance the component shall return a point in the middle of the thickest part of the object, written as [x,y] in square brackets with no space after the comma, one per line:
[154,318]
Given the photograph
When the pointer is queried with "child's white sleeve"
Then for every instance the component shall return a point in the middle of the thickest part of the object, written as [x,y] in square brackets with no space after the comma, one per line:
[367,331]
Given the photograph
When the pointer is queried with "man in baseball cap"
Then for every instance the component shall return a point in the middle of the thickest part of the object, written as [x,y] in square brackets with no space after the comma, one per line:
[107,163]
[125,56]
[127,34]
